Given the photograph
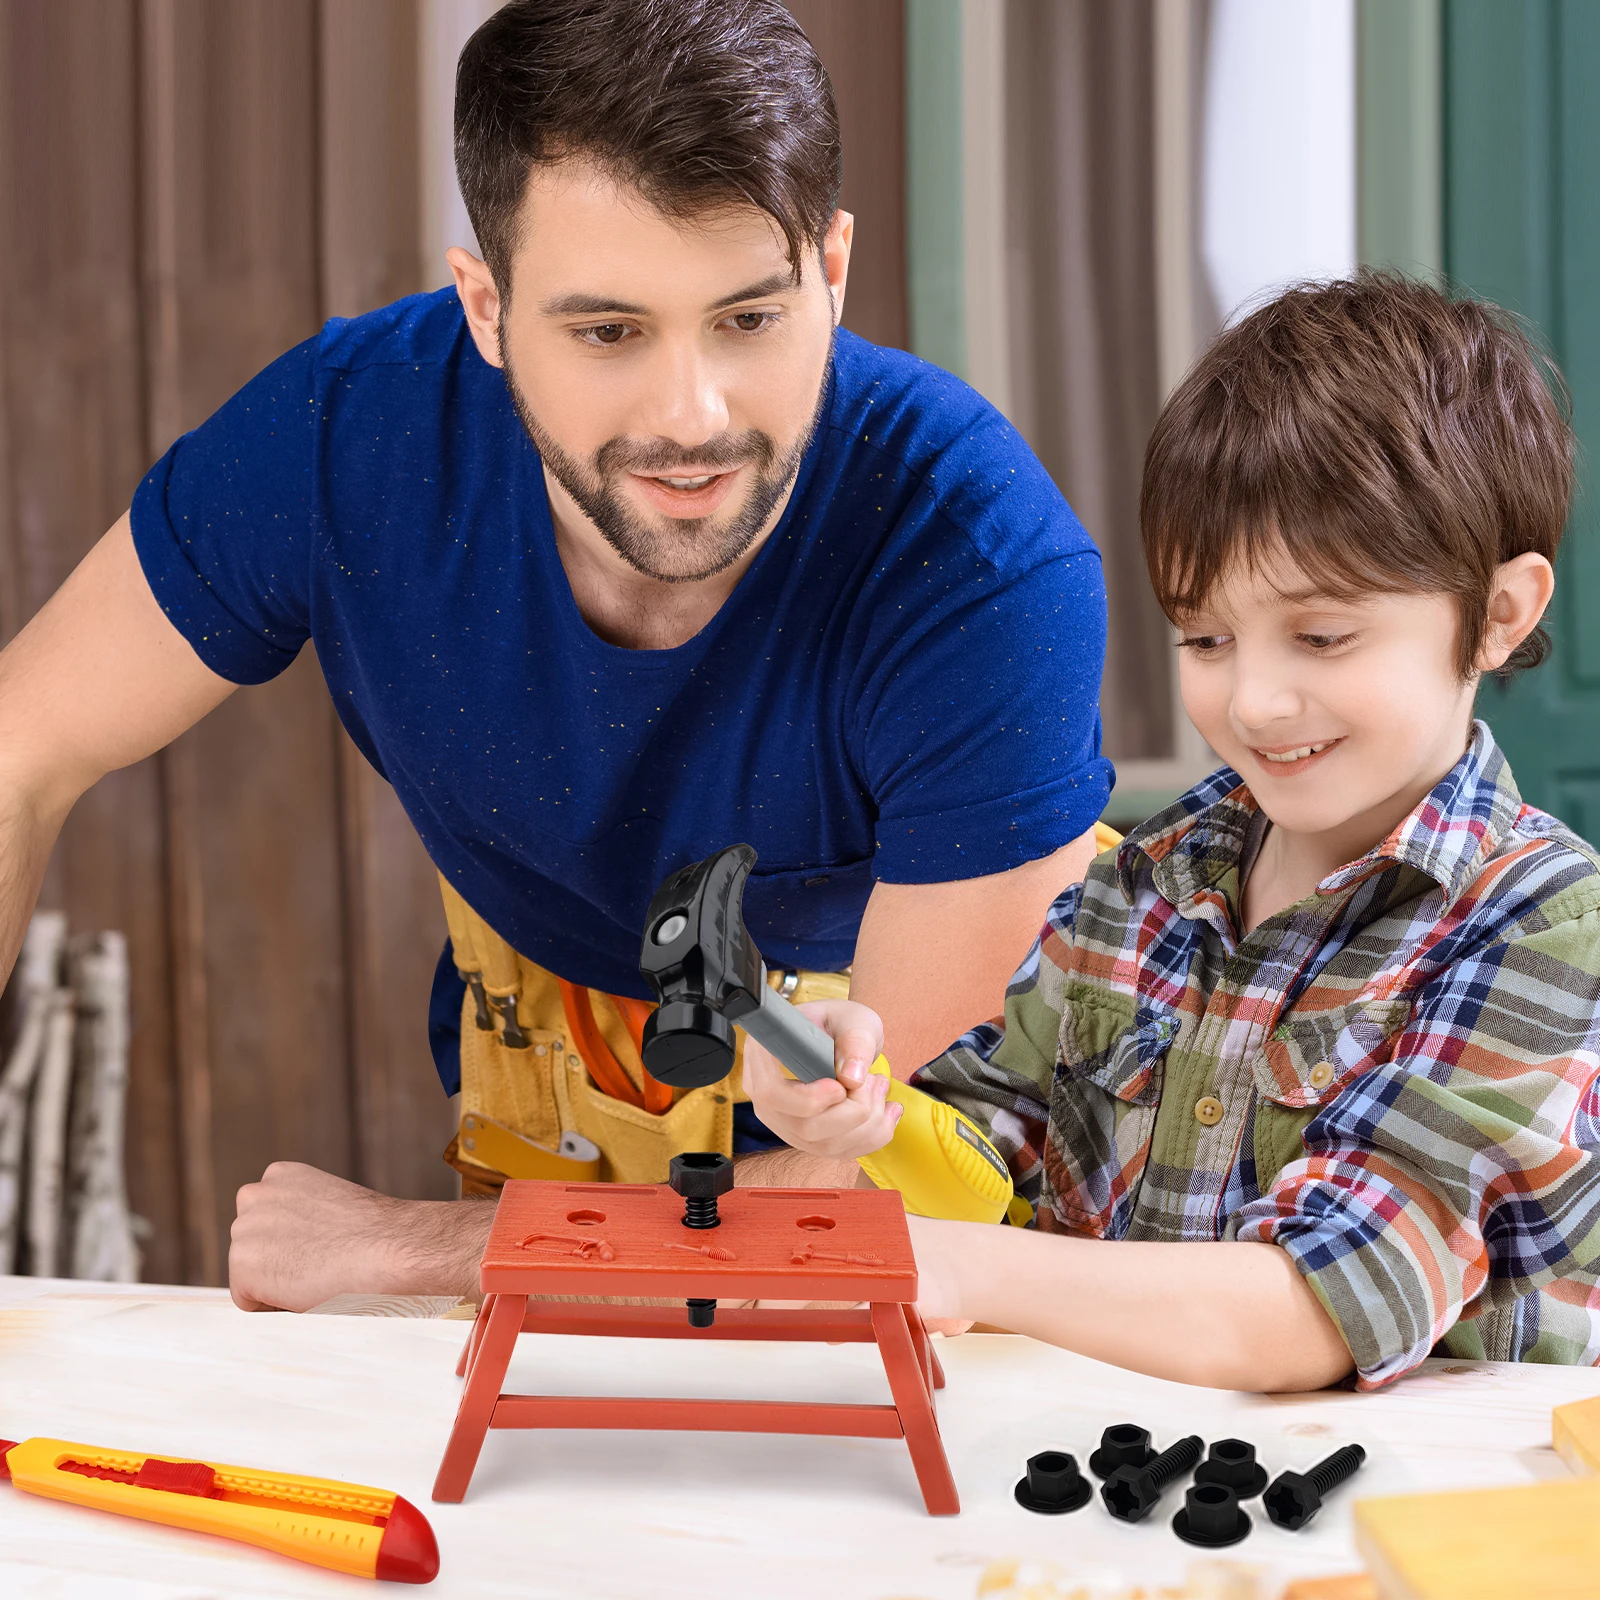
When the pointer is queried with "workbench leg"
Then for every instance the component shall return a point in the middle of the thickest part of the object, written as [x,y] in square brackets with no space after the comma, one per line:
[923,1345]
[501,1316]
[470,1348]
[914,1402]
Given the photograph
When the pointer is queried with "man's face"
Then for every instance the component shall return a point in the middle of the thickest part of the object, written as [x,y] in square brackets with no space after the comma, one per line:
[1340,715]
[668,372]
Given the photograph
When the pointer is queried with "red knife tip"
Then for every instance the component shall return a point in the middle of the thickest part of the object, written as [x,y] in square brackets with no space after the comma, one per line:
[5,1445]
[407,1553]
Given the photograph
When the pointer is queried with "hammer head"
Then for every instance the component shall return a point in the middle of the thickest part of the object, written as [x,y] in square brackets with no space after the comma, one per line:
[703,966]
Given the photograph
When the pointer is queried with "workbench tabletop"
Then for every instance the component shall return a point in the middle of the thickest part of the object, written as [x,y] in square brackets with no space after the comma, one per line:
[663,1516]
[628,1239]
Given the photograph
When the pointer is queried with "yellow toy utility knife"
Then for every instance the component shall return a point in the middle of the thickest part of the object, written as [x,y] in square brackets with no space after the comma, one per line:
[708,974]
[370,1533]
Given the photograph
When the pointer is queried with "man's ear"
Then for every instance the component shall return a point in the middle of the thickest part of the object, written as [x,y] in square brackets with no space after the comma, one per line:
[1521,591]
[836,258]
[479,299]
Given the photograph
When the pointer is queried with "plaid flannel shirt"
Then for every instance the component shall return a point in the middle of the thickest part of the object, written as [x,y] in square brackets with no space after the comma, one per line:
[1397,1079]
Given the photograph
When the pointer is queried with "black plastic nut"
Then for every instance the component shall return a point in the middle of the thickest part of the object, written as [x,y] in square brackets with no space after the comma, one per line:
[1131,1493]
[1211,1517]
[1294,1498]
[1053,1484]
[700,1176]
[1232,1464]
[1122,1445]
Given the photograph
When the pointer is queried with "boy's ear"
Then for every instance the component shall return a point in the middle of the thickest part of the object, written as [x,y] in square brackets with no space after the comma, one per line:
[1521,591]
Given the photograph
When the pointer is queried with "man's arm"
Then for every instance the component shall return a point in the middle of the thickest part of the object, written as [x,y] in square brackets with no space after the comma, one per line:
[97,680]
[933,959]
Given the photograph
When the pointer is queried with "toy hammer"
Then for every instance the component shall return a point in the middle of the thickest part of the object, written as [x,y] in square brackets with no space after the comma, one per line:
[708,974]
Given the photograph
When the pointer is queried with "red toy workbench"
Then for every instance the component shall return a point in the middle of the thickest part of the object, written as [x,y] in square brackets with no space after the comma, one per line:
[552,1238]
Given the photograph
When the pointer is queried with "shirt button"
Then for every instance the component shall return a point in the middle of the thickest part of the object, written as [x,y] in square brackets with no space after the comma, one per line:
[1208,1111]
[1321,1075]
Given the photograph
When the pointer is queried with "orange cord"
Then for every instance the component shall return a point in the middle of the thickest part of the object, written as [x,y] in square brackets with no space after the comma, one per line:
[598,1056]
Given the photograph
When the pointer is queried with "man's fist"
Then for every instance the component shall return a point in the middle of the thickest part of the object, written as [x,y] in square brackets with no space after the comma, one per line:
[843,1116]
[302,1236]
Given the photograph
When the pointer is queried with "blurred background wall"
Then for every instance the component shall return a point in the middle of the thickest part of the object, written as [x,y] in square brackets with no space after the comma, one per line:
[1061,200]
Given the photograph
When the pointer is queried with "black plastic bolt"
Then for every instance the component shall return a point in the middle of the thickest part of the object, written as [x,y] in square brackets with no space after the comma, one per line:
[1122,1445]
[1296,1497]
[700,1176]
[1053,1484]
[1211,1517]
[1131,1493]
[1232,1464]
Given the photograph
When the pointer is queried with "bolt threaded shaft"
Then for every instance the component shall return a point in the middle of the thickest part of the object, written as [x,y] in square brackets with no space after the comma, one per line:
[1333,1470]
[700,1211]
[1176,1458]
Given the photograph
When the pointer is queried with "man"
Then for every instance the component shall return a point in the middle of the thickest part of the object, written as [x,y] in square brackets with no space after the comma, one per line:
[612,555]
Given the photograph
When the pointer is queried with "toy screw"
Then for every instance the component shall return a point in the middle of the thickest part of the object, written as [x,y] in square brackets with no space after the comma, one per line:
[1131,1493]
[1294,1498]
[700,1176]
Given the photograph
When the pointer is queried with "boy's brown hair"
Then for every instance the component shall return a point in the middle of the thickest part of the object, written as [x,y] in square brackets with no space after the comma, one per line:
[1388,437]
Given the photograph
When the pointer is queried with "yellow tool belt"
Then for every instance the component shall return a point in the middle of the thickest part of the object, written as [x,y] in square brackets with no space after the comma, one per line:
[552,1085]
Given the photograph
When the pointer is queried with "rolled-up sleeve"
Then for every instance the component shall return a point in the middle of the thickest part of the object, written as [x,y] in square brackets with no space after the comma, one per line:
[1463,1176]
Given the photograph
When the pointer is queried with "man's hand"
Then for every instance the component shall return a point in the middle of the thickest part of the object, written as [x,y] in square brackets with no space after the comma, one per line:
[840,1117]
[302,1236]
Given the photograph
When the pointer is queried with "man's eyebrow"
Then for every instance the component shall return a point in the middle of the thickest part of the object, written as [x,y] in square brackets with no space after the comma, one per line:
[773,283]
[589,305]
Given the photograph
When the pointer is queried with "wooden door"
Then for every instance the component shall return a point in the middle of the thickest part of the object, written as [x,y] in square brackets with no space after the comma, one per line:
[1522,227]
[186,190]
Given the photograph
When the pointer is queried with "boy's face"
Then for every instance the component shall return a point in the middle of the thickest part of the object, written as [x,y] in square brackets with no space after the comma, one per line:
[1340,715]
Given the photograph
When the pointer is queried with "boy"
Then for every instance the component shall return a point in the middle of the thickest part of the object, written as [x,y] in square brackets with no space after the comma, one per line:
[1317,1045]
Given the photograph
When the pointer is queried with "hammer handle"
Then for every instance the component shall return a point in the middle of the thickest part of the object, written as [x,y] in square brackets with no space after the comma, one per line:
[791,1036]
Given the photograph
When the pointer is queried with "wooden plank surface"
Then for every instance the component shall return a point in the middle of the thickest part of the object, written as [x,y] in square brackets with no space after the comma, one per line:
[72,448]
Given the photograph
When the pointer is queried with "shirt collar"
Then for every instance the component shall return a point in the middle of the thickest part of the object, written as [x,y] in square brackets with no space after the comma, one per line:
[1197,841]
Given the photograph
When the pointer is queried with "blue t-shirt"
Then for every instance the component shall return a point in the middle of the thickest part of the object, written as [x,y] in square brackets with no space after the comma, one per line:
[903,685]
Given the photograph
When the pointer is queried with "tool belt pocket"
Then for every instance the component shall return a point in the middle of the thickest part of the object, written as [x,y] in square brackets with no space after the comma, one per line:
[637,1145]
[546,1066]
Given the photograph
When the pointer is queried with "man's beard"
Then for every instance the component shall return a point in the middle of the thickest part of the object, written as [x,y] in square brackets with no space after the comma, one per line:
[678,549]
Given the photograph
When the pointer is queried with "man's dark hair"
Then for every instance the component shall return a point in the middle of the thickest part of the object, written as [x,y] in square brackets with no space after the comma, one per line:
[1388,437]
[697,104]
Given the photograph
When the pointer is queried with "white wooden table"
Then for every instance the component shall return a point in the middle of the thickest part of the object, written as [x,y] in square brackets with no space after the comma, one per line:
[654,1516]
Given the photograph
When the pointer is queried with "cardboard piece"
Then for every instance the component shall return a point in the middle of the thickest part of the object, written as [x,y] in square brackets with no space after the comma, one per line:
[1575,1432]
[1539,1539]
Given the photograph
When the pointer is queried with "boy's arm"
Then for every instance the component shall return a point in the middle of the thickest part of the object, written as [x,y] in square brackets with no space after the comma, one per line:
[1226,1315]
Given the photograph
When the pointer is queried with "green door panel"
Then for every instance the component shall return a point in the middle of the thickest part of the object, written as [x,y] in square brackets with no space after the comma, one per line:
[1522,227]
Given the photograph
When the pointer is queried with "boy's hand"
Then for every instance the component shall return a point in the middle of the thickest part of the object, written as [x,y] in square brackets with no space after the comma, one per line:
[844,1116]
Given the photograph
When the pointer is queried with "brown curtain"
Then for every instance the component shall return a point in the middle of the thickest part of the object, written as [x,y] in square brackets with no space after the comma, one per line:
[186,190]
[862,44]
[1081,288]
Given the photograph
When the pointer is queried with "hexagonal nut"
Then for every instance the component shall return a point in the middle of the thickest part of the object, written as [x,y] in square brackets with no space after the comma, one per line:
[1124,1444]
[1292,1500]
[700,1174]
